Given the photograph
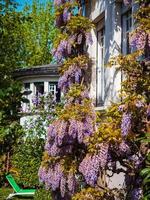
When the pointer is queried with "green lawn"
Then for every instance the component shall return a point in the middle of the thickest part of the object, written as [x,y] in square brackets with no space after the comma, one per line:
[40,195]
[4,192]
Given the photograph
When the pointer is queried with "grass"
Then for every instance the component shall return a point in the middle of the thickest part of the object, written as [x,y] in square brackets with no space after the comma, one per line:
[40,194]
[4,192]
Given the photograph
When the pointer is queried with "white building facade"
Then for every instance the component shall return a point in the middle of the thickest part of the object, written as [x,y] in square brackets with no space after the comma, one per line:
[37,82]
[113,22]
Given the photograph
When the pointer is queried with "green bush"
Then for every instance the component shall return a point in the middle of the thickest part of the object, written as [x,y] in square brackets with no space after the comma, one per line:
[42,194]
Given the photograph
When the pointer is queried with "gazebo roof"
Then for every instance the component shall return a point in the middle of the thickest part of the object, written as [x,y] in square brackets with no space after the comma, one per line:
[48,70]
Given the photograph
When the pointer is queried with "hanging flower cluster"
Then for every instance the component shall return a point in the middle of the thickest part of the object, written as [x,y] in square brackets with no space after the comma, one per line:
[55,178]
[66,140]
[91,164]
[78,150]
[127,2]
[72,72]
[139,38]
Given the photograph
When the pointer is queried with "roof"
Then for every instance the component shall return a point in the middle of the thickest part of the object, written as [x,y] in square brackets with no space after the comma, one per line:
[50,69]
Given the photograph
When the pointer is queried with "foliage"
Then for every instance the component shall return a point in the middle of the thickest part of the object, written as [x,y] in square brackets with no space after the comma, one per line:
[39,194]
[25,40]
[7,5]
[28,154]
[145,173]
[65,143]
[38,32]
[4,192]
[26,36]
[79,152]
[42,194]
[10,129]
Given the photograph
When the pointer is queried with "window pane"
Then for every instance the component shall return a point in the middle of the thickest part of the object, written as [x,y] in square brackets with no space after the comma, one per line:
[126,28]
[100,68]
[39,88]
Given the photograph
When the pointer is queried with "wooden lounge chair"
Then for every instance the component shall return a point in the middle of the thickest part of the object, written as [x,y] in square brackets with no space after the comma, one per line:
[17,190]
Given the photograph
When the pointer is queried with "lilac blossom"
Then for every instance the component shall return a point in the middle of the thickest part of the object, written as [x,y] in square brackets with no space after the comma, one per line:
[126,123]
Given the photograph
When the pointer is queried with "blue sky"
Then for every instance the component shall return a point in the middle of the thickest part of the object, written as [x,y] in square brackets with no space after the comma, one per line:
[22,3]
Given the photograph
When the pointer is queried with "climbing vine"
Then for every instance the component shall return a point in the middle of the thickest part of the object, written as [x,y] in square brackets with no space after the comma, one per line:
[81,149]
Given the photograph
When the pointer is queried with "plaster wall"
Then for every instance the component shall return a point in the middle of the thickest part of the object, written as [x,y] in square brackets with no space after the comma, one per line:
[109,13]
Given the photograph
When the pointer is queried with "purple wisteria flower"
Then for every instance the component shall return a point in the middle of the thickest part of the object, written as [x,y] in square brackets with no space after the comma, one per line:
[136,194]
[148,111]
[121,108]
[124,148]
[91,164]
[139,104]
[89,167]
[139,38]
[89,39]
[126,123]
[63,183]
[71,182]
[59,2]
[79,38]
[72,75]
[66,15]
[136,160]
[127,2]
[42,174]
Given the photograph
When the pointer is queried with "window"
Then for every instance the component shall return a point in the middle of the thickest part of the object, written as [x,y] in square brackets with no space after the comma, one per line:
[100,67]
[126,29]
[39,88]
[54,90]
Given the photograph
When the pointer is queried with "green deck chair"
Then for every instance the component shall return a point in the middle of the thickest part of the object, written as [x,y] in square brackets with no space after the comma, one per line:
[17,190]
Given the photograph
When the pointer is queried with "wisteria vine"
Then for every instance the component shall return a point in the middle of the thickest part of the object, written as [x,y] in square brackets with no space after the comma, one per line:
[79,151]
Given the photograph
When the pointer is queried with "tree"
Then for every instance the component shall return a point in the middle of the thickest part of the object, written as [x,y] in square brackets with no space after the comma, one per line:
[28,153]
[19,48]
[78,155]
[38,32]
[10,92]
[66,140]
[7,5]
